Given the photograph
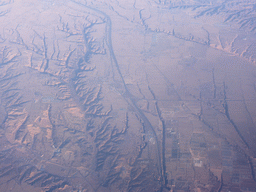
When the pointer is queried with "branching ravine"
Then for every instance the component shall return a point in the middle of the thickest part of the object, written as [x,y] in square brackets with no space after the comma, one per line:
[246,108]
[164,174]
[87,138]
[223,137]
[149,129]
[225,105]
[214,84]
[165,178]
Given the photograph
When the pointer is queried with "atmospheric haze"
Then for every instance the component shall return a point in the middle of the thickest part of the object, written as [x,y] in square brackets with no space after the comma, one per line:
[127,95]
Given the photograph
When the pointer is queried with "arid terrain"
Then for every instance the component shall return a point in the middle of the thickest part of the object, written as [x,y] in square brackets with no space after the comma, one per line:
[127,96]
